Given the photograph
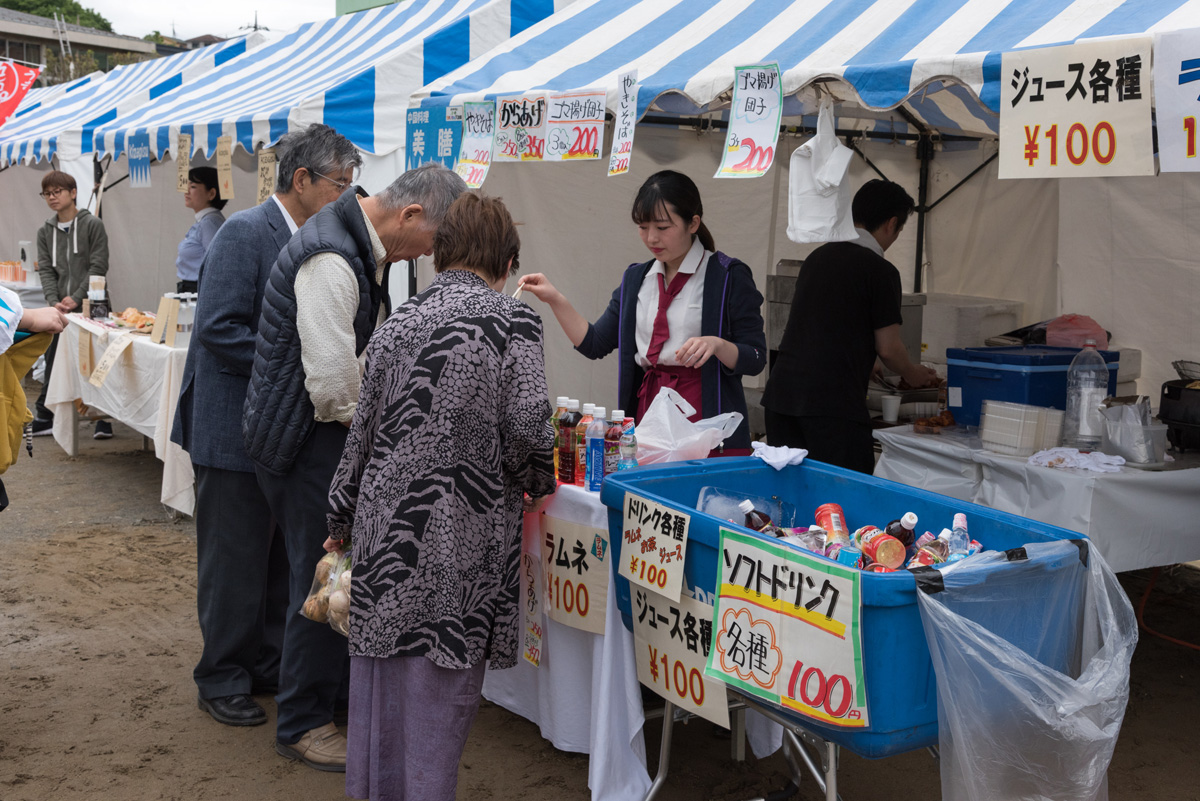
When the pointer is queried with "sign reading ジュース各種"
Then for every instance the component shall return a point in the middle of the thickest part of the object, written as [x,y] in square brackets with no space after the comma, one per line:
[1080,110]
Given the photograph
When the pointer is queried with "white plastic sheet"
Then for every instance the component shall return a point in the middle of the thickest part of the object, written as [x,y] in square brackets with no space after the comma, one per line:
[1029,706]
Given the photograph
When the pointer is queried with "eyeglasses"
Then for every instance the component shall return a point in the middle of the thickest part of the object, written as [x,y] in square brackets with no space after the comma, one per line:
[341,185]
[52,193]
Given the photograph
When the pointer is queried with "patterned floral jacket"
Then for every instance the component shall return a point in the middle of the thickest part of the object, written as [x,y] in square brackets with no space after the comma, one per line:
[452,428]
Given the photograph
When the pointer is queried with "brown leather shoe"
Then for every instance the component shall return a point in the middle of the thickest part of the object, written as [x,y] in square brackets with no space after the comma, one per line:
[323,748]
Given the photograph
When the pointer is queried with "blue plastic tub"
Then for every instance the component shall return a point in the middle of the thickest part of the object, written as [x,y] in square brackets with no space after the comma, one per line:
[1031,374]
[901,688]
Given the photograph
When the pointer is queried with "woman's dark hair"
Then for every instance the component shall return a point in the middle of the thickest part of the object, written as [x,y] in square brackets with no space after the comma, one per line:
[671,191]
[208,177]
[479,233]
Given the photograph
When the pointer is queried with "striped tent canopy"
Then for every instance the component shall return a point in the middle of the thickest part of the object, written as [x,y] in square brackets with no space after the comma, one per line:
[353,72]
[39,96]
[935,62]
[65,125]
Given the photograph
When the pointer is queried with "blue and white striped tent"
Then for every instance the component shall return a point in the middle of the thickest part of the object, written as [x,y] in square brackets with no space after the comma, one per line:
[41,95]
[938,59]
[65,125]
[353,72]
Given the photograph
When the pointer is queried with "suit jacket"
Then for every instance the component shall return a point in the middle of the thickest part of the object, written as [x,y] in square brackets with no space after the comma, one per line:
[208,420]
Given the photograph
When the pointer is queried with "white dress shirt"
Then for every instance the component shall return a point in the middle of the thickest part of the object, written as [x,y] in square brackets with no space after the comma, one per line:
[683,315]
[868,241]
[287,218]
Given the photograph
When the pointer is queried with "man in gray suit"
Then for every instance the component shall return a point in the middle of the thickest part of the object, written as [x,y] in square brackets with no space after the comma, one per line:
[242,587]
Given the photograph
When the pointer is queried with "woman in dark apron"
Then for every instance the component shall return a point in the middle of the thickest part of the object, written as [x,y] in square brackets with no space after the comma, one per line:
[688,319]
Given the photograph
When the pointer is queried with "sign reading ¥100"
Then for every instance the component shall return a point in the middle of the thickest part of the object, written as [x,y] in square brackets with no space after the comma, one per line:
[786,628]
[653,544]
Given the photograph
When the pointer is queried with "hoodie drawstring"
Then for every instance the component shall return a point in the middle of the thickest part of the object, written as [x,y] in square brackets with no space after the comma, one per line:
[74,243]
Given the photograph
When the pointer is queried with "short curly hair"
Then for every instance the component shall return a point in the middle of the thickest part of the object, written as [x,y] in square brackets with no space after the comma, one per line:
[479,233]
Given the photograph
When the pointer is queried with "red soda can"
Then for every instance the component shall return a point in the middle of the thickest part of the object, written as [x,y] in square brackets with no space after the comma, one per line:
[876,567]
[831,518]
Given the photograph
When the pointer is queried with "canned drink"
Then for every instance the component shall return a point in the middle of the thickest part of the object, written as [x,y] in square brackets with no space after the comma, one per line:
[851,557]
[974,548]
[875,567]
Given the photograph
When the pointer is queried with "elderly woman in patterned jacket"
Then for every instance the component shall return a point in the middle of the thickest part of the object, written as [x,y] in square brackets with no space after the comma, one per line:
[449,435]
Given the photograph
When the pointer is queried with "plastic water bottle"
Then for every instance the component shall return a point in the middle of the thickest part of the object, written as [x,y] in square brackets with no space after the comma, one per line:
[1087,387]
[628,447]
[594,444]
[960,541]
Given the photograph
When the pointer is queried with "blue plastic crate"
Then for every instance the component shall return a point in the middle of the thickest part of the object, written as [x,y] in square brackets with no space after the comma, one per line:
[901,688]
[1031,374]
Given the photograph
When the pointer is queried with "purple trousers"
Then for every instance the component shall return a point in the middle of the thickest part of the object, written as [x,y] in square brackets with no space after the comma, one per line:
[408,725]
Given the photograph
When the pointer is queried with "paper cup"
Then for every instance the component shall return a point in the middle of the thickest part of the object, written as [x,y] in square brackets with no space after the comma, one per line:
[891,408]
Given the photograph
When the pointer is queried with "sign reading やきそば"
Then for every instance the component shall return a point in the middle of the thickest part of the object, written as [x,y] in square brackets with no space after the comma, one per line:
[626,122]
[1080,110]
[478,141]
[786,627]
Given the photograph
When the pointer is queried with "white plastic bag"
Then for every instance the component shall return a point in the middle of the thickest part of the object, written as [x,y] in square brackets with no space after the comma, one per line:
[666,435]
[1032,664]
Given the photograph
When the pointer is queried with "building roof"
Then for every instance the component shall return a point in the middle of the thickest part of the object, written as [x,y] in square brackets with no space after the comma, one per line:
[206,39]
[16,22]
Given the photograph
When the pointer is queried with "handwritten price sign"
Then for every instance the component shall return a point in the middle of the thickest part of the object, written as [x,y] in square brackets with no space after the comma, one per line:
[267,167]
[672,640]
[575,129]
[521,128]
[653,544]
[1078,110]
[575,561]
[478,139]
[531,610]
[786,628]
[183,161]
[1177,97]
[622,145]
[753,122]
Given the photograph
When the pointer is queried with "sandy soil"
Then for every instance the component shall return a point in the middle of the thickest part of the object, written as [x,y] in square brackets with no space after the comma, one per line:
[98,637]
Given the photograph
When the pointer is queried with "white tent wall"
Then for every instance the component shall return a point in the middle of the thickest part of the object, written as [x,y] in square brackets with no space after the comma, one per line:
[1129,257]
[145,227]
[22,212]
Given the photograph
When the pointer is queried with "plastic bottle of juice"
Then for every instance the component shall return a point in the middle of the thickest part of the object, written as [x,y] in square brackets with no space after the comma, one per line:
[594,439]
[755,519]
[612,440]
[883,548]
[831,518]
[566,439]
[581,428]
[560,408]
[904,530]
[628,446]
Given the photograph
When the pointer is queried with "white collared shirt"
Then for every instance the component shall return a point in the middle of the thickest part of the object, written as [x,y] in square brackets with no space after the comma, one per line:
[684,313]
[287,218]
[868,241]
[207,210]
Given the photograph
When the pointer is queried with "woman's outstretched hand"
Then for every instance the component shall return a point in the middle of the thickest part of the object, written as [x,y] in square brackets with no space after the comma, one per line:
[540,287]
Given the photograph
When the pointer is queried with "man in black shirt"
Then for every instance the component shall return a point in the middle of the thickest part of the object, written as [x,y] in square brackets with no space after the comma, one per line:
[845,312]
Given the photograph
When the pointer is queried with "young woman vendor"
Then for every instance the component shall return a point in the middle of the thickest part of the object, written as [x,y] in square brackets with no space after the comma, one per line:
[689,318]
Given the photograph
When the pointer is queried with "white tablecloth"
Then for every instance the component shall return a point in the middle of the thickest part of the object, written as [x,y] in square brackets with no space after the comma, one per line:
[1137,518]
[585,695]
[141,391]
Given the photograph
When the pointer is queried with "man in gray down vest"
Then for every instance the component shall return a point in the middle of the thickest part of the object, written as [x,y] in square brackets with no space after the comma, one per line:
[325,295]
[242,586]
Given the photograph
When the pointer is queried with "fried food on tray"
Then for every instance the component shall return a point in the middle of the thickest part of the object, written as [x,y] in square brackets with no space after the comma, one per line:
[943,420]
[135,319]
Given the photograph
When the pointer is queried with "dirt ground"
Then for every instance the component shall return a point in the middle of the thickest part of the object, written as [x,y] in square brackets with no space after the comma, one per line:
[98,637]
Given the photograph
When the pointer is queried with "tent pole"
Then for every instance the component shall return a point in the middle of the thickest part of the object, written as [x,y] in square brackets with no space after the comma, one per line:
[925,154]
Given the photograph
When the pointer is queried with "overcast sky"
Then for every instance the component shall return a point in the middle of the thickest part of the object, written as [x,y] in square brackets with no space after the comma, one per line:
[218,17]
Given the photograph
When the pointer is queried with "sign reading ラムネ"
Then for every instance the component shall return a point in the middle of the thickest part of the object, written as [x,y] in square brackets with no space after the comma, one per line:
[1177,99]
[672,640]
[653,544]
[575,566]
[786,628]
[1079,110]
[753,122]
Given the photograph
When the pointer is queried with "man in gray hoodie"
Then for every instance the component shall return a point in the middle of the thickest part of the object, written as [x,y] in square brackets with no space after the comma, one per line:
[72,247]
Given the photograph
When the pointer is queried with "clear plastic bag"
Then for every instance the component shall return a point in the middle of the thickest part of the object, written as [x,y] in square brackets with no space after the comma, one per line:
[329,597]
[665,433]
[1032,664]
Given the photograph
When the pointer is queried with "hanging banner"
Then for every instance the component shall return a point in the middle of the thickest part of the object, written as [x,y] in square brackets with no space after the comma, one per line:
[521,128]
[754,119]
[787,628]
[1076,111]
[575,562]
[432,134]
[109,358]
[1177,99]
[137,150]
[622,144]
[15,80]
[183,162]
[534,622]
[575,129]
[672,640]
[225,166]
[478,141]
[653,544]
[267,167]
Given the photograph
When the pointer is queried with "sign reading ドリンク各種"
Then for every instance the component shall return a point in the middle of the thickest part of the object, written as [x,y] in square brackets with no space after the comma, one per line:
[1077,111]
[653,545]
[786,628]
[575,561]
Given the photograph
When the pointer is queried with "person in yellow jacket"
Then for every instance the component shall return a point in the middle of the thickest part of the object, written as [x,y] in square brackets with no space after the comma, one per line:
[17,355]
